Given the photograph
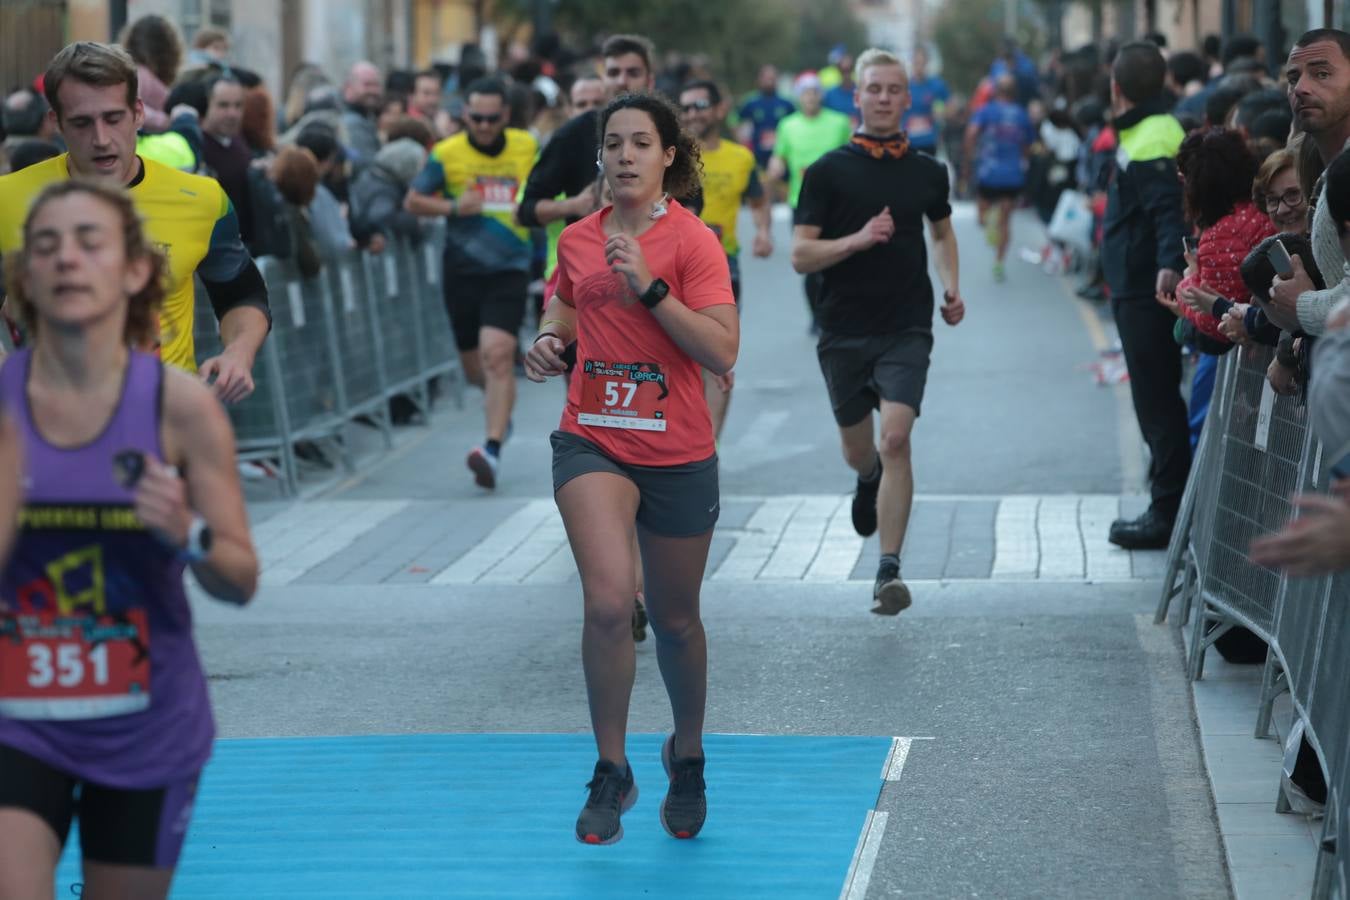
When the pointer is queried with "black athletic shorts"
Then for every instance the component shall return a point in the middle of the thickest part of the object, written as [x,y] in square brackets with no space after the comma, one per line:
[995,194]
[860,372]
[676,501]
[477,301]
[118,827]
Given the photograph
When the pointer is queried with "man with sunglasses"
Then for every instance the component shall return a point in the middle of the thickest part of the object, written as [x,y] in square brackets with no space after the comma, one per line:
[729,178]
[473,179]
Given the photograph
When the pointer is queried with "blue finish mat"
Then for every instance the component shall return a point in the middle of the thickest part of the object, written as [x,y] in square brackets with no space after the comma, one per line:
[491,815]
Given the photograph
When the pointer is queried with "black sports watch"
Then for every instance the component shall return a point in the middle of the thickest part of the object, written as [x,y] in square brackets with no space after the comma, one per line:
[655,293]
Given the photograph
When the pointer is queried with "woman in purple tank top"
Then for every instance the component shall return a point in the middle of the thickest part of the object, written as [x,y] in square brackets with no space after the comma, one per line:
[104,712]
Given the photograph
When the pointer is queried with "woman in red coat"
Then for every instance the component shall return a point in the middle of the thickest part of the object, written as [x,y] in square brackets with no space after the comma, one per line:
[1217,170]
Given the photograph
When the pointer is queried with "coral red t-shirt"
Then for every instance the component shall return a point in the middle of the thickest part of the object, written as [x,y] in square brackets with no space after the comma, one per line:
[635,393]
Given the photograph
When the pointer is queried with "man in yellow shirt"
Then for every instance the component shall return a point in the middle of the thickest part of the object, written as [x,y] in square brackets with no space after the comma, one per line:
[729,179]
[473,179]
[92,89]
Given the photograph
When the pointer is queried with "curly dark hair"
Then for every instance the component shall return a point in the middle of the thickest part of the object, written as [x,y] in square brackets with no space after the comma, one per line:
[1218,169]
[142,324]
[684,177]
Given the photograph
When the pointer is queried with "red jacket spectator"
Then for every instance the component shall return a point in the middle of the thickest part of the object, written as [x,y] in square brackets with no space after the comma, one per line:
[1223,247]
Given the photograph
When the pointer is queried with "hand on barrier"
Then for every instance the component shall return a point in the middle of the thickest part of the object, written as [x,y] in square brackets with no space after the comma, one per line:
[544,359]
[1234,324]
[953,308]
[229,376]
[1282,378]
[1199,298]
[1317,542]
[377,243]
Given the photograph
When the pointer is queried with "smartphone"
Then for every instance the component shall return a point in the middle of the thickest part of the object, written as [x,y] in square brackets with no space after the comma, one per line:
[1279,258]
[128,467]
[1189,244]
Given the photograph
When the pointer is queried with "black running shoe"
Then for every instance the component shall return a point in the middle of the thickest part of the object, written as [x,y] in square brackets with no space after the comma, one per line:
[865,507]
[686,803]
[639,620]
[613,793]
[890,595]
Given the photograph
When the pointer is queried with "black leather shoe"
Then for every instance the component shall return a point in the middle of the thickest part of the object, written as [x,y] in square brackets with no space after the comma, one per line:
[1151,531]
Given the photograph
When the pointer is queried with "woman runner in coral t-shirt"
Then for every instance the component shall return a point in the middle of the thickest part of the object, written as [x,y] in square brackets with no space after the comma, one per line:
[644,289]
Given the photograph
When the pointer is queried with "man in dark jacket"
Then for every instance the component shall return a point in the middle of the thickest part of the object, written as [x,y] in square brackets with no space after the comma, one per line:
[1142,259]
[567,165]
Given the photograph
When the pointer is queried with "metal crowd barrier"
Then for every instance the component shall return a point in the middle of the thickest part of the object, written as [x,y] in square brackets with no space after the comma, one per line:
[368,328]
[1256,453]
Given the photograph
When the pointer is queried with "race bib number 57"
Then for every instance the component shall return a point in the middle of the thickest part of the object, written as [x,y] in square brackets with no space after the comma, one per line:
[77,666]
[623,395]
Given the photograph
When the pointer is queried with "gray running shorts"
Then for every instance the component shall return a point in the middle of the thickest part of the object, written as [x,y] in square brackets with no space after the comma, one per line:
[860,372]
[676,501]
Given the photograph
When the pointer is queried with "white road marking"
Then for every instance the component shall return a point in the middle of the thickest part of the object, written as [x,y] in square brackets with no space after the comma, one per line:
[895,762]
[1017,552]
[752,552]
[760,444]
[840,548]
[1061,546]
[501,542]
[793,538]
[864,857]
[306,534]
[1105,561]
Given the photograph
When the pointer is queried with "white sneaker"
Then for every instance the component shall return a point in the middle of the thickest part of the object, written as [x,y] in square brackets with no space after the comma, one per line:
[257,470]
[484,467]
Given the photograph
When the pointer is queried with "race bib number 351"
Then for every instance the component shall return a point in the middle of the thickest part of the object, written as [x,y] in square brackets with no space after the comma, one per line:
[623,395]
[77,666]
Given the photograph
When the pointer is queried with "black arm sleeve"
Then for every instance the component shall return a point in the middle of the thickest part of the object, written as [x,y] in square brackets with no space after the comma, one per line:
[245,289]
[1160,192]
[565,166]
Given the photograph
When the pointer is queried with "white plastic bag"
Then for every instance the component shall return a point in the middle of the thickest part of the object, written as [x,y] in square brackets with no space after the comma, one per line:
[1072,222]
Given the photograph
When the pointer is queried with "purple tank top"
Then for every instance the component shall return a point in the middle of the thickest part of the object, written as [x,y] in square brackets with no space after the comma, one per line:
[99,675]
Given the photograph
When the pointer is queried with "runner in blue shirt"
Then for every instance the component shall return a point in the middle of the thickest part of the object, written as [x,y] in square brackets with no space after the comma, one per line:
[761,114]
[928,94]
[840,97]
[1004,134]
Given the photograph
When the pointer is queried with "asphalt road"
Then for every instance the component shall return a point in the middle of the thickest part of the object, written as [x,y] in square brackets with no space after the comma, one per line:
[1060,754]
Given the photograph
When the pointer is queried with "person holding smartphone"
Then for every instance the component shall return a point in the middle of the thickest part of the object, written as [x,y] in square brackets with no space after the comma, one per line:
[104,713]
[644,289]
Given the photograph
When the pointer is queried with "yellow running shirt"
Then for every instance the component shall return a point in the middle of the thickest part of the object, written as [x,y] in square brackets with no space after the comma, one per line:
[728,177]
[490,242]
[188,217]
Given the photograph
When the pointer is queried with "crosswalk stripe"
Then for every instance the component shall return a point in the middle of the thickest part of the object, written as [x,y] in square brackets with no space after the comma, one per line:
[500,543]
[794,538]
[1017,547]
[304,535]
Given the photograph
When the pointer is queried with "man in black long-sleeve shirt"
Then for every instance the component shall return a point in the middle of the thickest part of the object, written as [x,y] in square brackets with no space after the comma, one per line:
[566,167]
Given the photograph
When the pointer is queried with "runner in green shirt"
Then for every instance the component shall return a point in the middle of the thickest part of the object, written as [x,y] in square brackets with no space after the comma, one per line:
[804,137]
